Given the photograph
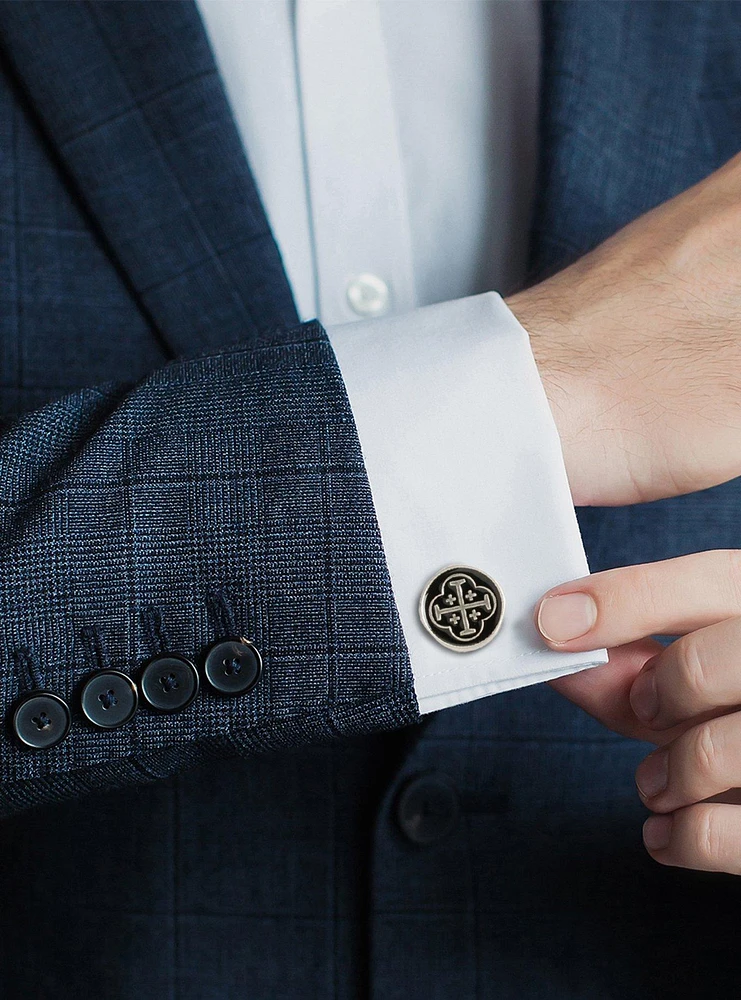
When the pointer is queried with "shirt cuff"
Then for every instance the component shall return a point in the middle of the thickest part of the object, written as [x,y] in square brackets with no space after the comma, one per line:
[466,470]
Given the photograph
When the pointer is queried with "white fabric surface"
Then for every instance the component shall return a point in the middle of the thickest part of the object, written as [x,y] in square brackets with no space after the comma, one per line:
[462,79]
[494,494]
[397,139]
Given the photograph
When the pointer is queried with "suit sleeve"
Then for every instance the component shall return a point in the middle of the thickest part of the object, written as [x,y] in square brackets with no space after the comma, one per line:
[223,494]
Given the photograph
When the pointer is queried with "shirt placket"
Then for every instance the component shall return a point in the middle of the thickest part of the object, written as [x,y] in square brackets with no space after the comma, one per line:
[354,176]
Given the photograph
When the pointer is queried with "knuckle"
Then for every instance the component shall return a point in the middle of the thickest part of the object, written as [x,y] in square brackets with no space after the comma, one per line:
[707,752]
[733,569]
[639,590]
[706,837]
[691,669]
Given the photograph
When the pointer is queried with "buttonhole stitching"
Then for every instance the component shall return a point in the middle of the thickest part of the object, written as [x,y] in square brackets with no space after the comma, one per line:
[221,612]
[93,649]
[155,632]
[27,670]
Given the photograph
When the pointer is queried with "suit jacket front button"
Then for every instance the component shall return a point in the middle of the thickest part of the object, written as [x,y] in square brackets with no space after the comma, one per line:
[169,683]
[109,699]
[428,809]
[41,720]
[233,666]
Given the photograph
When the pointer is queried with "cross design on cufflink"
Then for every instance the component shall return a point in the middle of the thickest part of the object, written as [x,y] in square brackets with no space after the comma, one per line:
[462,608]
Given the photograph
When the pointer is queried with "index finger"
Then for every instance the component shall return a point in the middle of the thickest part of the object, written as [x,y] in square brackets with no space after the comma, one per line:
[617,606]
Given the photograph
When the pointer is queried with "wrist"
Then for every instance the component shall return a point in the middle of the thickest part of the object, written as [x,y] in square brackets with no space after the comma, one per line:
[546,334]
[569,380]
[529,312]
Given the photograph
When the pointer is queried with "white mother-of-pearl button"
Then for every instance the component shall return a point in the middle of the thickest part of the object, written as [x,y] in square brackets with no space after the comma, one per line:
[368,295]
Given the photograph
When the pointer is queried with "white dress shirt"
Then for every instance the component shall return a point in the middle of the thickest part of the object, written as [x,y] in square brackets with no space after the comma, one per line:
[393,144]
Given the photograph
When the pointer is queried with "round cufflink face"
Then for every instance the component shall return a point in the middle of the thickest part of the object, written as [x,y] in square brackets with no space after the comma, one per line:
[169,683]
[41,720]
[232,666]
[109,699]
[462,608]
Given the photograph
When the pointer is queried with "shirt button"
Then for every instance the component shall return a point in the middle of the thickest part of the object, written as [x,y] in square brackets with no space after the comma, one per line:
[428,809]
[169,683]
[233,666]
[41,720]
[109,699]
[368,295]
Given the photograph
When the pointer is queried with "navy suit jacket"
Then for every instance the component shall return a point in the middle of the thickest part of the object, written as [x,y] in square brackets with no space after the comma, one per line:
[179,462]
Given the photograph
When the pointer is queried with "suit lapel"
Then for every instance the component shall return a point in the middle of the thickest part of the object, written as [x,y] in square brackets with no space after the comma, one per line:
[129,96]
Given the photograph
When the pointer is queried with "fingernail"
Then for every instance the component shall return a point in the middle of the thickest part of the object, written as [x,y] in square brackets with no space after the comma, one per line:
[652,775]
[644,695]
[657,832]
[566,616]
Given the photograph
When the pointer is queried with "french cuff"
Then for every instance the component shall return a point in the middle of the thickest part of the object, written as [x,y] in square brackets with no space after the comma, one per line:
[470,491]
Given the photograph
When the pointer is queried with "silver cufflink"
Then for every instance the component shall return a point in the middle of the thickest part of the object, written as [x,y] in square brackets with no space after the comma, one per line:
[462,608]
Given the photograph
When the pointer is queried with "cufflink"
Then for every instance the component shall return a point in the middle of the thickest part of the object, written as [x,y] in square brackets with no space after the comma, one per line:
[462,608]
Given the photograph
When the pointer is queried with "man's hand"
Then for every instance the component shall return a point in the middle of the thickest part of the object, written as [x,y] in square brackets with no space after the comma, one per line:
[684,697]
[639,348]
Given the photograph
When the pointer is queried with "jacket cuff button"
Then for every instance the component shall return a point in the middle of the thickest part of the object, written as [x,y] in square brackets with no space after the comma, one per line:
[41,720]
[233,666]
[109,699]
[169,683]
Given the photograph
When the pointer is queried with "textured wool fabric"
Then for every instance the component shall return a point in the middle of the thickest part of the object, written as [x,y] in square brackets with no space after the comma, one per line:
[134,232]
[285,875]
[236,475]
[129,96]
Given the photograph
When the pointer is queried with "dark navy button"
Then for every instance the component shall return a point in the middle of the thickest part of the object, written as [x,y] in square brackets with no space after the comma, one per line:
[169,683]
[41,720]
[428,808]
[233,666]
[109,699]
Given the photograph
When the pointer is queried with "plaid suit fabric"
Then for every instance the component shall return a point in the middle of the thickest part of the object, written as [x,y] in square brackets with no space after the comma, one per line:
[143,128]
[133,232]
[240,472]
[287,875]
